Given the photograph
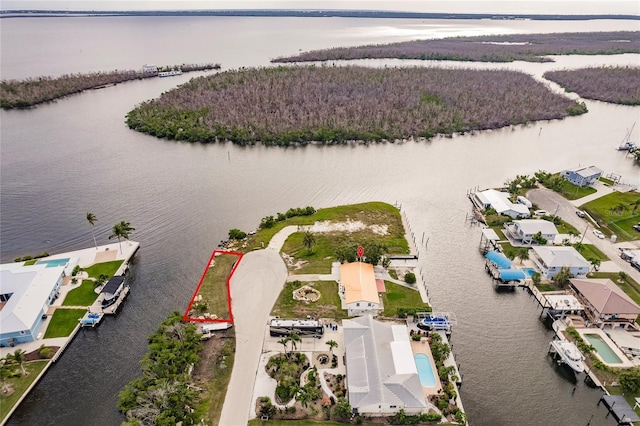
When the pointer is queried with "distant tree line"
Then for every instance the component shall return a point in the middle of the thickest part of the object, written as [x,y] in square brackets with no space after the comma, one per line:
[333,105]
[33,91]
[618,85]
[270,221]
[502,48]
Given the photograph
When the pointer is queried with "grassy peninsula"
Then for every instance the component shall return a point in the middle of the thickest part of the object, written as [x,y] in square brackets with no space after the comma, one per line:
[503,48]
[297,105]
[33,91]
[618,85]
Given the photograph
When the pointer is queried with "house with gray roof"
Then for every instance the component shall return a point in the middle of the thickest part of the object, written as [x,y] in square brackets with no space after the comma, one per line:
[606,303]
[500,202]
[551,259]
[26,292]
[523,231]
[582,176]
[382,376]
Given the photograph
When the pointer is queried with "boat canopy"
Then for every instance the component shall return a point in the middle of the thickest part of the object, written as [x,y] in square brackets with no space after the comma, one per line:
[112,285]
[499,259]
[511,274]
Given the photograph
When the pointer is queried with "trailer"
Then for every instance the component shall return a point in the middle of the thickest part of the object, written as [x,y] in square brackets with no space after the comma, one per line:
[302,327]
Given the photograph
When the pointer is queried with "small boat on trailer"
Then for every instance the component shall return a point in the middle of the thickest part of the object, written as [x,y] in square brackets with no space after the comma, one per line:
[569,354]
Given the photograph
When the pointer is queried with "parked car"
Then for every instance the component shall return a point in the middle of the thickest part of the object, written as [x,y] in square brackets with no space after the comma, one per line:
[540,213]
[598,234]
[636,227]
[580,213]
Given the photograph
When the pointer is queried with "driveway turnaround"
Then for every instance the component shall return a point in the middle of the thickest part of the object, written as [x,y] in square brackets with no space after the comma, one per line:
[255,286]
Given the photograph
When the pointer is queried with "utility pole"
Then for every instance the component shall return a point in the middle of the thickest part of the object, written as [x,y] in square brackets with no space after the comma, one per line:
[584,233]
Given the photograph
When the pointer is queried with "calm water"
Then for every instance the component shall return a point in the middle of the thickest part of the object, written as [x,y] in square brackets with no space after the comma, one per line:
[61,160]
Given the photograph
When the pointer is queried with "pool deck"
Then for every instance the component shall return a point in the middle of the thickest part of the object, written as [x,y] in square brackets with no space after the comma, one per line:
[422,347]
[625,361]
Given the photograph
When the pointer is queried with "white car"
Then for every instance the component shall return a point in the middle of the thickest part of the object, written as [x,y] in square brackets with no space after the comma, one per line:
[540,213]
[598,234]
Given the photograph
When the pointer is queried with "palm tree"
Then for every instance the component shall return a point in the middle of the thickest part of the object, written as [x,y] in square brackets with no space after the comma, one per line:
[121,230]
[572,234]
[309,240]
[595,262]
[91,218]
[284,341]
[332,344]
[5,374]
[18,358]
[522,253]
[294,339]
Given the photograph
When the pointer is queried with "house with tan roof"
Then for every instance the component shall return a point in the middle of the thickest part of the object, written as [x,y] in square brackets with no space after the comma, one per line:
[358,290]
[605,302]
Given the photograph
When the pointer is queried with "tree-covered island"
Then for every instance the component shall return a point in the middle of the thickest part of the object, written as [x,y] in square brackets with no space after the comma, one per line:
[618,85]
[302,104]
[496,48]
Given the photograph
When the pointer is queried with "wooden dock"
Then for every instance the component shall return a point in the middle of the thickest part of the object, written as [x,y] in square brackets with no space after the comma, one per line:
[113,309]
[620,408]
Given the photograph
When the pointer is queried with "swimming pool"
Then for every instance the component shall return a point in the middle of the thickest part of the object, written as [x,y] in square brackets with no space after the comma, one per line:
[425,371]
[52,263]
[603,349]
[528,271]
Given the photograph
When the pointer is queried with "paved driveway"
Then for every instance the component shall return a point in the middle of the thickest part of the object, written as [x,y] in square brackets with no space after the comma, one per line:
[550,201]
[255,286]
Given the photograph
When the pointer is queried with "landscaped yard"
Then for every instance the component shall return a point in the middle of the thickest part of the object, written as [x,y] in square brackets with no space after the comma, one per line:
[573,192]
[328,306]
[63,322]
[589,251]
[616,213]
[398,296]
[214,286]
[375,213]
[20,385]
[104,268]
[84,295]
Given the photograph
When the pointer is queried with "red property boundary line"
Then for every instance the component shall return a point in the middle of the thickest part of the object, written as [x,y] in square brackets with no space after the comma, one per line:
[185,317]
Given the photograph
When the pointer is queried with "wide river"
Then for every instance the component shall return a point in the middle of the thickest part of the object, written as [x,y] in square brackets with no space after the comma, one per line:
[64,159]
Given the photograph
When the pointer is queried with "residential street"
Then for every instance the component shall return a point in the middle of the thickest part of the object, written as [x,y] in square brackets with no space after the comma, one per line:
[550,201]
[255,286]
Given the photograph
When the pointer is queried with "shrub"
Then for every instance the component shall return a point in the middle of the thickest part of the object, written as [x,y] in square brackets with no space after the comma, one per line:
[45,352]
[267,222]
[630,381]
[76,270]
[410,278]
[416,337]
[236,234]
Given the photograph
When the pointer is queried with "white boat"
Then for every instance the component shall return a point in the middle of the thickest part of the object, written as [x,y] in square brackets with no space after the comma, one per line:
[169,73]
[569,354]
[626,144]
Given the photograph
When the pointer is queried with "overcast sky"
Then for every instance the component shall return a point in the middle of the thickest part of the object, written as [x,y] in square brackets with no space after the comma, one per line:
[470,6]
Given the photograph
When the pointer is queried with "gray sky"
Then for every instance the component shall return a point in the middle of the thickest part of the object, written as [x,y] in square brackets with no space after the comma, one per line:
[469,6]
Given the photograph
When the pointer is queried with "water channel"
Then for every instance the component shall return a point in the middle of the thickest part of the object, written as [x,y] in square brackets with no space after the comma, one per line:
[66,158]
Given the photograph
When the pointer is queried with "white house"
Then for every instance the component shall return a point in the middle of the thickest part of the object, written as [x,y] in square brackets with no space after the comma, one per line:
[149,68]
[358,289]
[500,202]
[550,259]
[523,230]
[582,176]
[26,292]
[382,376]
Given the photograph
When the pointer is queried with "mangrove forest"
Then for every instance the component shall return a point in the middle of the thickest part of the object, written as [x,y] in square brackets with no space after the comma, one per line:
[297,105]
[33,91]
[502,48]
[618,85]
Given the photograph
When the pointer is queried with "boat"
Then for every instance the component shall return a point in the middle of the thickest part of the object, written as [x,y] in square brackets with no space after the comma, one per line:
[435,321]
[112,290]
[569,354]
[169,73]
[626,144]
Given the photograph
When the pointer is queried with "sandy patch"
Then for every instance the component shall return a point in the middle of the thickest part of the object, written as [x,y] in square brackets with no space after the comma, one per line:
[106,256]
[348,227]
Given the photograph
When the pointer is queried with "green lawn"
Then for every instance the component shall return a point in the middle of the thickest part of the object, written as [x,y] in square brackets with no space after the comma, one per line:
[63,322]
[545,287]
[319,259]
[606,181]
[398,296]
[214,286]
[84,295]
[106,268]
[30,262]
[589,251]
[328,306]
[615,214]
[20,385]
[374,213]
[573,192]
[217,387]
[508,250]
